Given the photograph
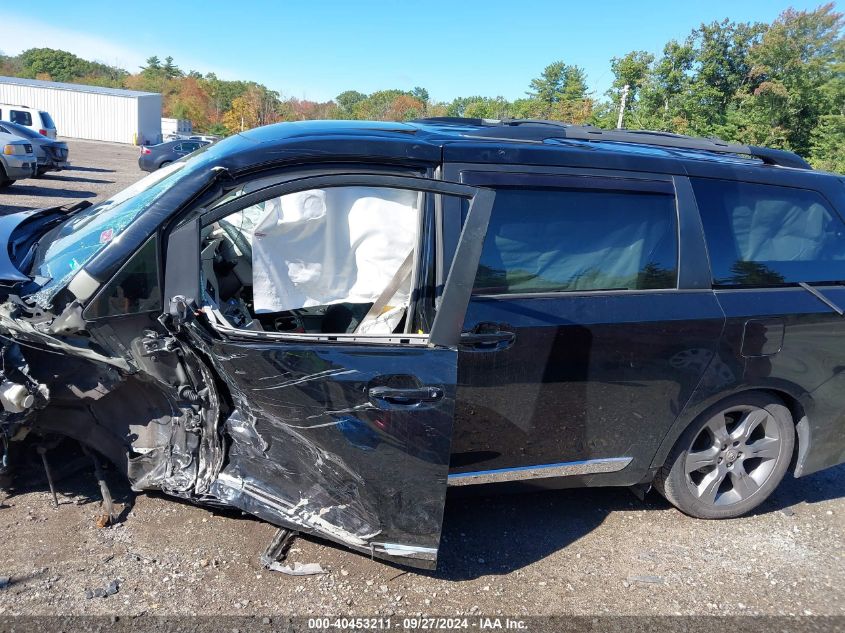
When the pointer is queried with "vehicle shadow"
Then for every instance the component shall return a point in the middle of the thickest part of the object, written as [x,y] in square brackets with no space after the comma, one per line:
[821,486]
[6,209]
[33,190]
[73,478]
[487,535]
[95,181]
[91,169]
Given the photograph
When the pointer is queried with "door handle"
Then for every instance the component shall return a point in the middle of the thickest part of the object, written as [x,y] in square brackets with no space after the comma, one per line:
[487,341]
[411,396]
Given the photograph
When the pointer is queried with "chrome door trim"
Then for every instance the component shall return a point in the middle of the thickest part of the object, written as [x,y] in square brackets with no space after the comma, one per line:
[521,473]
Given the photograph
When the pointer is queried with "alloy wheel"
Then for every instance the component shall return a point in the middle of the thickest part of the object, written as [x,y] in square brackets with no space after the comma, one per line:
[733,455]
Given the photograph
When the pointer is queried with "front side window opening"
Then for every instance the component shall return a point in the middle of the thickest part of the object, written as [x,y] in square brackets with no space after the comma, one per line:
[337,260]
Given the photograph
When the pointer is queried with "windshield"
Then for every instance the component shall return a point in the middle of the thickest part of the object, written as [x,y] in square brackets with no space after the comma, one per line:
[68,247]
[23,131]
[64,250]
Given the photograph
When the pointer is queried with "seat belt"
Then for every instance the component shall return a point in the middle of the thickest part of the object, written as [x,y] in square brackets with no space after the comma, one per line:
[387,294]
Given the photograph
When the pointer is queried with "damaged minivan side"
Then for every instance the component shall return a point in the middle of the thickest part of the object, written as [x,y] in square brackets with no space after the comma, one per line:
[314,390]
[325,324]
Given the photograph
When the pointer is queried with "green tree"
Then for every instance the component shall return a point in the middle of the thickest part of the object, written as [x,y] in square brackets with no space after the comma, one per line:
[420,94]
[827,145]
[349,99]
[479,107]
[796,79]
[664,96]
[558,82]
[55,64]
[633,70]
[153,64]
[171,70]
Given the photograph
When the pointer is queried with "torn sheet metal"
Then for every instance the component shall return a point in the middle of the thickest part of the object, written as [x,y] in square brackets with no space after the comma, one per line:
[310,449]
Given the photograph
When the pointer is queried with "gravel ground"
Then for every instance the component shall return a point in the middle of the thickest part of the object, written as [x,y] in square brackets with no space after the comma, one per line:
[579,552]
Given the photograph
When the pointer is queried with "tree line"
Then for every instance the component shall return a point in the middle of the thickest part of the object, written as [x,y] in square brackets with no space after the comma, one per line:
[780,84]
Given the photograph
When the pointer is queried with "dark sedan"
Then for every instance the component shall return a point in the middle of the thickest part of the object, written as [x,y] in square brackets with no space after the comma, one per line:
[157,156]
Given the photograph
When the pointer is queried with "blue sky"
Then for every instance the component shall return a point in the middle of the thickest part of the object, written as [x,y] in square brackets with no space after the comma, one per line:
[316,50]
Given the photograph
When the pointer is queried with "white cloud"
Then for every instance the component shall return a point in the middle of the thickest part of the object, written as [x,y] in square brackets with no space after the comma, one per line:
[19,34]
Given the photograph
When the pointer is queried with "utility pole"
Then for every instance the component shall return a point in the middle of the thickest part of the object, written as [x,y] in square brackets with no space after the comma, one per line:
[625,89]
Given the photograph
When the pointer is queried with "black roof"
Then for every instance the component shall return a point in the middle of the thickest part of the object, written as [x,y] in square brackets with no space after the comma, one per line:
[542,130]
[429,142]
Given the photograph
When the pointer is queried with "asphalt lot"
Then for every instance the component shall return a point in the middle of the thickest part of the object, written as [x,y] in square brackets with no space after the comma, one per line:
[97,170]
[580,552]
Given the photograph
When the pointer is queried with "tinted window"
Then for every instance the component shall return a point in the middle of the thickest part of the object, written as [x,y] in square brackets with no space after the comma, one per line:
[20,117]
[47,120]
[761,235]
[190,147]
[553,240]
[134,289]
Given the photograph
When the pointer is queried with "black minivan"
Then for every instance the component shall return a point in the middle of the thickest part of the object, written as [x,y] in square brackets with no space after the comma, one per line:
[325,324]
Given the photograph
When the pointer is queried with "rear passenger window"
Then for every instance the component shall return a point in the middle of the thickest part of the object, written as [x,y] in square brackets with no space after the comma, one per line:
[759,235]
[46,120]
[20,117]
[563,240]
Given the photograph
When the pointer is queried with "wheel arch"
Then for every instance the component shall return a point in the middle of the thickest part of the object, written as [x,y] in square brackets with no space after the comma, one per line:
[795,399]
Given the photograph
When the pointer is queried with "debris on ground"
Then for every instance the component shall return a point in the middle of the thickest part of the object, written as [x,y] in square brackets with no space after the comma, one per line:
[654,580]
[103,592]
[277,552]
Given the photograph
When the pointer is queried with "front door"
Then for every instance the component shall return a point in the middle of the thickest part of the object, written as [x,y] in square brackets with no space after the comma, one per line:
[584,338]
[341,387]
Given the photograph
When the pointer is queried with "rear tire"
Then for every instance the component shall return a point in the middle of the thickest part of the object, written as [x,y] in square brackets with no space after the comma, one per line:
[164,163]
[730,459]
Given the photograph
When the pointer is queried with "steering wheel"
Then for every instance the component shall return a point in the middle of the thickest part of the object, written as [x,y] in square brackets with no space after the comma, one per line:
[237,238]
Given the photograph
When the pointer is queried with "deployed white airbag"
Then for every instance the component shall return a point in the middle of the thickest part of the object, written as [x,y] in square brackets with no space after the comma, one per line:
[335,245]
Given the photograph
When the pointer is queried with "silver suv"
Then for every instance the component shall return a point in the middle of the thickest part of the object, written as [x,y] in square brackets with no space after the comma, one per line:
[17,160]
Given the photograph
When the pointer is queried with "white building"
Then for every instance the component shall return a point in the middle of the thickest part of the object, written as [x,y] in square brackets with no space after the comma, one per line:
[90,112]
[175,127]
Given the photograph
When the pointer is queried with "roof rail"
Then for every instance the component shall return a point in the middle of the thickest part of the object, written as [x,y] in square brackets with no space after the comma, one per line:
[541,130]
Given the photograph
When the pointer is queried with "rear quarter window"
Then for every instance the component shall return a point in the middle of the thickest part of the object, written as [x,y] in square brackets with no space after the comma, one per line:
[20,117]
[46,120]
[768,235]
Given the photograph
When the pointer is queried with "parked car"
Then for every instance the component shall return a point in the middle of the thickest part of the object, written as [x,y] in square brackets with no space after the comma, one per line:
[207,138]
[17,160]
[325,324]
[36,120]
[51,155]
[157,156]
